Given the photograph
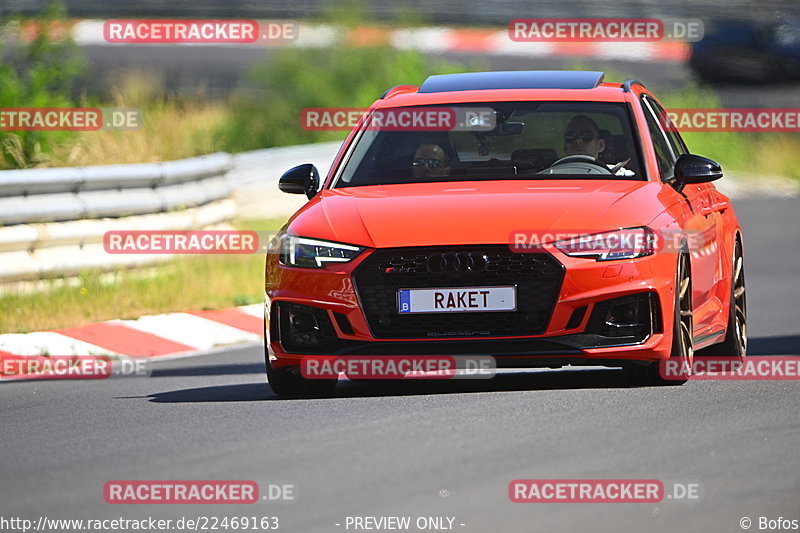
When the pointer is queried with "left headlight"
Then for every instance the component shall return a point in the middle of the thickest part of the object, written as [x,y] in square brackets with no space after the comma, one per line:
[312,253]
[627,243]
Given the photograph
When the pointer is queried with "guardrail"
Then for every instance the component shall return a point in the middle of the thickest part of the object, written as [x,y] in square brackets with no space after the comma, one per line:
[58,194]
[211,190]
[52,221]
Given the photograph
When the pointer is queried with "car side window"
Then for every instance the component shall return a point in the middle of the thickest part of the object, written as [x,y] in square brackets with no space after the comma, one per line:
[673,137]
[664,152]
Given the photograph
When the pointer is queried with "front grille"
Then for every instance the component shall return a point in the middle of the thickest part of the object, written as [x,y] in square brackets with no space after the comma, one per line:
[537,276]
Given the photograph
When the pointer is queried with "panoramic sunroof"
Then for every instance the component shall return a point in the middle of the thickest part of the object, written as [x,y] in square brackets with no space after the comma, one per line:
[522,79]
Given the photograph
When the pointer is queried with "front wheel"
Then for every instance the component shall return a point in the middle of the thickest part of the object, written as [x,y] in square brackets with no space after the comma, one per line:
[735,343]
[287,381]
[682,339]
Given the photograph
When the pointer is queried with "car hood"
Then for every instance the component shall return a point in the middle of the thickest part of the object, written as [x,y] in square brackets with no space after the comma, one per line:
[485,212]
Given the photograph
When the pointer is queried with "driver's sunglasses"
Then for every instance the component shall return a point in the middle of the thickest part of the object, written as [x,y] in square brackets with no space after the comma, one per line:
[431,163]
[584,135]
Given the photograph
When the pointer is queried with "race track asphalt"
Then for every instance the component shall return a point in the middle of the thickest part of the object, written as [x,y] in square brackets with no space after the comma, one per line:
[377,449]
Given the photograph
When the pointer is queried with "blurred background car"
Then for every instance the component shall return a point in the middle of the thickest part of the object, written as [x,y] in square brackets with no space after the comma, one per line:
[747,50]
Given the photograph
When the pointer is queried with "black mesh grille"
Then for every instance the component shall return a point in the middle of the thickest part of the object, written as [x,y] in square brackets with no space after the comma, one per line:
[320,339]
[537,277]
[647,320]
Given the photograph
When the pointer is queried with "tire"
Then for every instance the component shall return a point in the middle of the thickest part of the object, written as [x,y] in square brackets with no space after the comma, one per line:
[682,343]
[289,382]
[735,342]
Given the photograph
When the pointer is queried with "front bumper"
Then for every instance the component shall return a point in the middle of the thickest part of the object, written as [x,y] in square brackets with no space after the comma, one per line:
[573,334]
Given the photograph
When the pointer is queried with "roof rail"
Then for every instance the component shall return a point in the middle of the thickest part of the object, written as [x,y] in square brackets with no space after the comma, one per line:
[397,90]
[626,87]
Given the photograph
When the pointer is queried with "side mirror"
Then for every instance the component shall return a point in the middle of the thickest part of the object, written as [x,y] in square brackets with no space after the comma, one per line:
[690,168]
[302,179]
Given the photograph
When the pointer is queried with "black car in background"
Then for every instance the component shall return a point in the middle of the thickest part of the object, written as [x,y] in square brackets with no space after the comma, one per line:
[748,51]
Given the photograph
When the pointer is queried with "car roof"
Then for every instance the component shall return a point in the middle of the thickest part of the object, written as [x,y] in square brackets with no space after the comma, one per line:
[499,86]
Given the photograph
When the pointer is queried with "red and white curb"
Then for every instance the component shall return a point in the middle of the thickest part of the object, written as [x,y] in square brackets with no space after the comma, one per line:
[169,335]
[436,39]
[494,42]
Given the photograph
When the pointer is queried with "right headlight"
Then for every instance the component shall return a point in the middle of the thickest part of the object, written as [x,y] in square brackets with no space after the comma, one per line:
[627,243]
[313,253]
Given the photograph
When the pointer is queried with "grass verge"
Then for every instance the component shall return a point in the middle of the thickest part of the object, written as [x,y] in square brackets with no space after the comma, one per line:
[756,154]
[172,127]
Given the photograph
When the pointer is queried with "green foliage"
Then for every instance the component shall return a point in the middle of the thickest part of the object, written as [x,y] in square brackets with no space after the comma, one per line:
[754,154]
[40,73]
[292,79]
[727,148]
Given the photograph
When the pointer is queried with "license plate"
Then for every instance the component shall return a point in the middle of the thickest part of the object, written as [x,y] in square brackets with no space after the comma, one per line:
[457,300]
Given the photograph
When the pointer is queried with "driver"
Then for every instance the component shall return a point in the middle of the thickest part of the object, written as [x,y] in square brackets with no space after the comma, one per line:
[430,161]
[582,137]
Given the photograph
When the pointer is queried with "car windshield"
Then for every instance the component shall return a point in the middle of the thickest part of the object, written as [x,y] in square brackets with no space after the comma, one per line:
[523,140]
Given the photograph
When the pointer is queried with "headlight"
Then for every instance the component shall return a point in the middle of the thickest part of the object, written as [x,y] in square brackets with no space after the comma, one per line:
[627,243]
[312,253]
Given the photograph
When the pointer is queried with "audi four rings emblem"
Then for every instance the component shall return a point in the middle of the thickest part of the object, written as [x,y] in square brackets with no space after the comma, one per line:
[457,262]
